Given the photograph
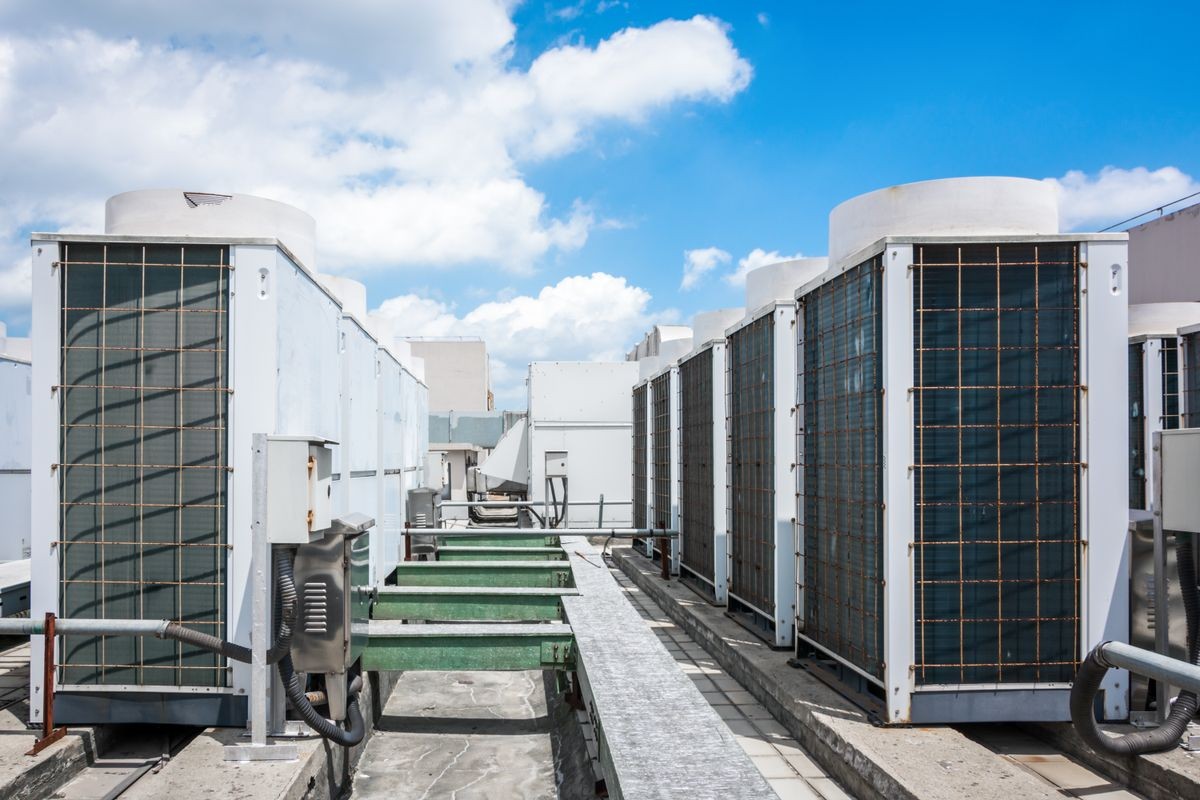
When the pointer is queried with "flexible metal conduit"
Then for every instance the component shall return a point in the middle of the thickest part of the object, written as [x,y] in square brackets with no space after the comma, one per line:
[1110,655]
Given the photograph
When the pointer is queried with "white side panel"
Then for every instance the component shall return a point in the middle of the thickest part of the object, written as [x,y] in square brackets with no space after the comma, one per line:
[45,334]
[785,463]
[306,335]
[897,373]
[16,449]
[389,524]
[720,478]
[261,282]
[1104,368]
[360,430]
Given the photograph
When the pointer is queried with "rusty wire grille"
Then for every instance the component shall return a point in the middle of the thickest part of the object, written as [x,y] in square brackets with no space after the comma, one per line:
[640,466]
[143,468]
[660,389]
[697,476]
[1137,426]
[996,394]
[1191,380]
[842,456]
[751,354]
[1171,391]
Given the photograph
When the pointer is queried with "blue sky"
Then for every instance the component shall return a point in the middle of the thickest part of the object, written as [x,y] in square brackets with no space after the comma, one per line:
[534,173]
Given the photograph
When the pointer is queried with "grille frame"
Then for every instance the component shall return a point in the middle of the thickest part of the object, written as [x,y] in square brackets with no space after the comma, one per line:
[760,381]
[702,478]
[664,446]
[143,273]
[640,399]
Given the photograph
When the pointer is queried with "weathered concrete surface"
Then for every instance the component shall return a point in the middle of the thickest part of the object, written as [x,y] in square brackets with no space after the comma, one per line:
[23,776]
[1161,776]
[463,735]
[933,763]
[322,771]
[661,738]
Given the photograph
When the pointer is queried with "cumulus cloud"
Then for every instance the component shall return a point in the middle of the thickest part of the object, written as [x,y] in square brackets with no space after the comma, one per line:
[402,128]
[1114,194]
[753,260]
[699,262]
[583,317]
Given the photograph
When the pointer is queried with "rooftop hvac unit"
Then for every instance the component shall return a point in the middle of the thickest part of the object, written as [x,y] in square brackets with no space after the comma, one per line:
[1155,385]
[641,463]
[1154,405]
[664,445]
[760,382]
[703,542]
[162,361]
[962,528]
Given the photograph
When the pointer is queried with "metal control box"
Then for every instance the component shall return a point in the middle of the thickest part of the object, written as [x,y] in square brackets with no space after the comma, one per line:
[556,464]
[299,489]
[333,581]
[1180,454]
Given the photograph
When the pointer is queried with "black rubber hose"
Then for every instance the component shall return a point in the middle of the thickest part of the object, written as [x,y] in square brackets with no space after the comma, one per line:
[286,587]
[1092,670]
[355,728]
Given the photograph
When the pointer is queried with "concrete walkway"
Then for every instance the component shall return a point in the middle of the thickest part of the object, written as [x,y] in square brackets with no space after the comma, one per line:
[779,757]
[462,735]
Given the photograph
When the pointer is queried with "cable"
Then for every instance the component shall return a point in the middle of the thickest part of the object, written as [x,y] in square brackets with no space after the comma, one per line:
[1094,667]
[286,585]
[355,728]
[1159,209]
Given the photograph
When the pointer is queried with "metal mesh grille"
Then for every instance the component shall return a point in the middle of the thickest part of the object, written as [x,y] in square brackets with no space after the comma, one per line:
[1137,426]
[841,495]
[640,467]
[661,387]
[1191,375]
[751,353]
[1169,362]
[143,462]
[697,476]
[997,462]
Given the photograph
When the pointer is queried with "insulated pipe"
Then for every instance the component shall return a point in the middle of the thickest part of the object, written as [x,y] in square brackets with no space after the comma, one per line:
[96,627]
[525,503]
[616,533]
[1153,665]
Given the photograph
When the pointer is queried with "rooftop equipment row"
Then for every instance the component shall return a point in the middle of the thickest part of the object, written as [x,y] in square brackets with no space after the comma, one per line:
[923,490]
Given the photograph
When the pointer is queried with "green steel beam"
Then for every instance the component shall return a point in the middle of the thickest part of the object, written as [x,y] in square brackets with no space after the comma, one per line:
[502,540]
[456,603]
[394,645]
[460,553]
[548,574]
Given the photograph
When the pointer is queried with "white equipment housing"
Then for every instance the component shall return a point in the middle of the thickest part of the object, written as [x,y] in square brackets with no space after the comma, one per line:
[960,387]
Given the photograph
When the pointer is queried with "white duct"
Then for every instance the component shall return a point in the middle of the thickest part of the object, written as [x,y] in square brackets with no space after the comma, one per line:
[711,325]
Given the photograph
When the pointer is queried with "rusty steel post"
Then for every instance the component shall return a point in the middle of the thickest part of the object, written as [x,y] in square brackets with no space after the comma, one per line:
[407,542]
[50,734]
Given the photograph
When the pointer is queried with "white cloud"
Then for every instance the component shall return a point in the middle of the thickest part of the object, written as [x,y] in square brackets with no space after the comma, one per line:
[583,317]
[753,260]
[402,128]
[699,262]
[1115,194]
[763,19]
